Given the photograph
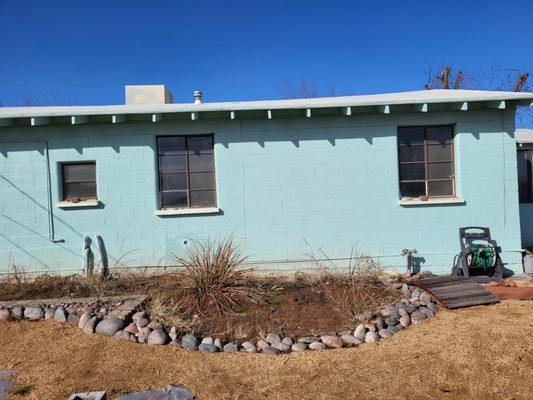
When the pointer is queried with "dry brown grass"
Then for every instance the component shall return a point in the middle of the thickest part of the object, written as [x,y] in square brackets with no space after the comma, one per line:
[361,289]
[476,353]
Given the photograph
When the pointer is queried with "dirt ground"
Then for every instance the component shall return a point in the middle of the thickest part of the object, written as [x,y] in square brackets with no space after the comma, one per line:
[481,352]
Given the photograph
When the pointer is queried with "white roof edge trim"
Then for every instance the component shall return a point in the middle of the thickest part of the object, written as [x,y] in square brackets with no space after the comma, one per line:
[402,98]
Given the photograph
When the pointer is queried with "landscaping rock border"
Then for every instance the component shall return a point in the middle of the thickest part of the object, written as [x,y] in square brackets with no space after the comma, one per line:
[123,318]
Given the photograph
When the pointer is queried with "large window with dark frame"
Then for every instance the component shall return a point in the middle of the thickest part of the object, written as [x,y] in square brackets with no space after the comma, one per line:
[426,165]
[525,176]
[186,171]
[78,181]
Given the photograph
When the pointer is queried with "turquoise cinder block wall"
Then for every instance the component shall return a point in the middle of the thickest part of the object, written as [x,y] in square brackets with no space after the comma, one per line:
[288,189]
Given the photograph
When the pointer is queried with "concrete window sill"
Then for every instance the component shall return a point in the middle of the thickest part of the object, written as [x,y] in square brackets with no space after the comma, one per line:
[187,211]
[80,204]
[431,202]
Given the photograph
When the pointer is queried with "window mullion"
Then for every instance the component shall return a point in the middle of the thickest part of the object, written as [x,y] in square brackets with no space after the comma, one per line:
[426,167]
[187,172]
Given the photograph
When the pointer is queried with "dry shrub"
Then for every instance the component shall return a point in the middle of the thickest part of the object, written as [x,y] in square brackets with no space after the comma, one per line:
[213,279]
[356,291]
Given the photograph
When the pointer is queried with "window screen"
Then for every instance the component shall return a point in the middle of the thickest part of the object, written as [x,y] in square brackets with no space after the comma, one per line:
[79,180]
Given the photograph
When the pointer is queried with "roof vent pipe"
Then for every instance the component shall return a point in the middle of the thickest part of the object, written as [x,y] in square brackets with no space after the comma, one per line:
[198,97]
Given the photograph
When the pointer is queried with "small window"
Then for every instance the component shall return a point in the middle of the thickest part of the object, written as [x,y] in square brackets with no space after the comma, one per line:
[426,166]
[525,176]
[186,171]
[79,181]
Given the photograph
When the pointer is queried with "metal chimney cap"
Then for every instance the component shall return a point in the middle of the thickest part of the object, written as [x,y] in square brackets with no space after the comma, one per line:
[198,96]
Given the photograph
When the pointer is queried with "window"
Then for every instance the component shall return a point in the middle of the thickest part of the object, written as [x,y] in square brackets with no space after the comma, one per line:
[425,155]
[525,176]
[186,171]
[79,181]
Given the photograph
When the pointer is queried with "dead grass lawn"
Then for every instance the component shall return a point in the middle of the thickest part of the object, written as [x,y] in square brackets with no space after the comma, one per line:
[476,353]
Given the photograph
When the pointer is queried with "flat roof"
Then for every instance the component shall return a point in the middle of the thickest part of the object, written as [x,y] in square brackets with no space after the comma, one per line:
[421,100]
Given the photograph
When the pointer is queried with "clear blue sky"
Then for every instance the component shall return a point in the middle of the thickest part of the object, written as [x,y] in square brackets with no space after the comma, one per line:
[85,52]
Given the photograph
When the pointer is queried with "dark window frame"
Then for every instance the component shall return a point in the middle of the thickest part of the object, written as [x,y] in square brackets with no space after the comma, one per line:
[529,176]
[187,172]
[64,182]
[427,162]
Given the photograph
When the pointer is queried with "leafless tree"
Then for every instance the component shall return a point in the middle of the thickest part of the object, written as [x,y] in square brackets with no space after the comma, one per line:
[304,90]
[27,99]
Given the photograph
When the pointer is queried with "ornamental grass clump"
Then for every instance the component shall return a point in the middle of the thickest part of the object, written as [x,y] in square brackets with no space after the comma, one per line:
[213,279]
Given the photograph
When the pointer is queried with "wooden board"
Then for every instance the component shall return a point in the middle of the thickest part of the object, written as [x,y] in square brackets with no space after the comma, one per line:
[456,291]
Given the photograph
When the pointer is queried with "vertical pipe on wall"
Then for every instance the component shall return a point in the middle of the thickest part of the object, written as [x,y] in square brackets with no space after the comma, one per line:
[51,230]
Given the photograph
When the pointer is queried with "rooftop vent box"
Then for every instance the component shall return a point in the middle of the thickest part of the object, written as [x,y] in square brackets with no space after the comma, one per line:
[147,94]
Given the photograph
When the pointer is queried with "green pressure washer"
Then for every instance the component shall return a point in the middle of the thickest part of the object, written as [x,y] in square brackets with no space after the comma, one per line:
[479,254]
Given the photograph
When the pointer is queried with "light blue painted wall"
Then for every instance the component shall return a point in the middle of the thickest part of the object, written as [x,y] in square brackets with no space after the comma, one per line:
[526,224]
[286,188]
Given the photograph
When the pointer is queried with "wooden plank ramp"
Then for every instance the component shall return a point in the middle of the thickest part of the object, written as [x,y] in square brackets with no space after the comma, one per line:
[456,291]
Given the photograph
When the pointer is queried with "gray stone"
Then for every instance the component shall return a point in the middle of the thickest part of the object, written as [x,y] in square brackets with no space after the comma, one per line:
[89,396]
[261,344]
[231,347]
[288,341]
[417,316]
[385,334]
[34,313]
[17,312]
[208,340]
[403,312]
[271,351]
[207,348]
[155,325]
[4,315]
[388,312]
[168,393]
[380,324]
[157,337]
[284,348]
[218,343]
[298,346]
[249,347]
[173,334]
[394,328]
[50,312]
[123,335]
[425,297]
[189,342]
[138,315]
[317,346]
[371,337]
[132,328]
[405,291]
[73,319]
[108,327]
[405,321]
[360,331]
[143,334]
[392,321]
[427,311]
[432,307]
[90,326]
[175,343]
[351,340]
[273,338]
[334,342]
[60,315]
[409,308]
[371,327]
[142,322]
[309,339]
[83,320]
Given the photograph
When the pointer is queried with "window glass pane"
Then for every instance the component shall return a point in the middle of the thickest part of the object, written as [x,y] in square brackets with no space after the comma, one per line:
[80,189]
[439,152]
[412,189]
[440,188]
[440,170]
[171,145]
[202,180]
[200,144]
[411,153]
[439,134]
[410,172]
[79,172]
[174,199]
[525,176]
[171,164]
[174,181]
[201,162]
[202,198]
[411,135]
